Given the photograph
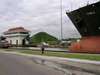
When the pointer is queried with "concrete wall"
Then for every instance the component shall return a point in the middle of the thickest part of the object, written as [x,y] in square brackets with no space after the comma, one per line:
[12,40]
[16,39]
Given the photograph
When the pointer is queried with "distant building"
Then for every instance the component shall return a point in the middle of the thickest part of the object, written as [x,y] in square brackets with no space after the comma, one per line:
[17,36]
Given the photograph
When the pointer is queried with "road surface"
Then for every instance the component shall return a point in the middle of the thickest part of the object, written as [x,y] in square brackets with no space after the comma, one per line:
[11,64]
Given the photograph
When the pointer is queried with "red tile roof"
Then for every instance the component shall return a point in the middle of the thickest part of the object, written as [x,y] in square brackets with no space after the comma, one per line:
[16,30]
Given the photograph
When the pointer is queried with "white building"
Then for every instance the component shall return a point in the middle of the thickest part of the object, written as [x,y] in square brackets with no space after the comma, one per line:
[17,36]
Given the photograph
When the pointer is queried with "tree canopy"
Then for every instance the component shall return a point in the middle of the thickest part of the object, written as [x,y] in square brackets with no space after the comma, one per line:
[43,37]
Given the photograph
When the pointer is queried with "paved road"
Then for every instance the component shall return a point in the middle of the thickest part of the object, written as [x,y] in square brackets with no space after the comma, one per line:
[11,64]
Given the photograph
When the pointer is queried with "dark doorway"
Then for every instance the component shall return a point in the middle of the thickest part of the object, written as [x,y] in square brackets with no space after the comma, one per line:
[16,42]
[23,42]
[10,41]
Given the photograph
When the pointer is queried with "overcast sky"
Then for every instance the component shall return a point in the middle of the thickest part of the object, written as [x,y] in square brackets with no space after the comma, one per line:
[39,15]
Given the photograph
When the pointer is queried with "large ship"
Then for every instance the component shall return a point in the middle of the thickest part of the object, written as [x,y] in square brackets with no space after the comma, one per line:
[87,22]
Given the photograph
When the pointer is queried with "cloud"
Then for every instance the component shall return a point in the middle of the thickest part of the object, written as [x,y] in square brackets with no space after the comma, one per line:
[39,15]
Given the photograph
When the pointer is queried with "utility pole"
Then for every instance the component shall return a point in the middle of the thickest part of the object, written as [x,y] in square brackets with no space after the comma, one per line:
[61,20]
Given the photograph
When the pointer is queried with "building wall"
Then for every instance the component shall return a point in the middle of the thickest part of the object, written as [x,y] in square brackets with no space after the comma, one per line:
[12,40]
[17,40]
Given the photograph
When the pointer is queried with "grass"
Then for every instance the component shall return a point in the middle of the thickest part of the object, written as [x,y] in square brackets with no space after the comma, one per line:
[95,57]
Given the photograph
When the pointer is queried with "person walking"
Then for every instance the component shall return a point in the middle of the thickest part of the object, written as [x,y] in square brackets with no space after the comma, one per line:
[42,48]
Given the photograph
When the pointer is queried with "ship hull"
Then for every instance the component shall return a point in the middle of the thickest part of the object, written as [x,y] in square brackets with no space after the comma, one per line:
[87,22]
[89,44]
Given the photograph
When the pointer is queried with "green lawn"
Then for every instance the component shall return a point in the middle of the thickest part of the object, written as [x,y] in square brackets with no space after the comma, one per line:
[95,57]
[64,54]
